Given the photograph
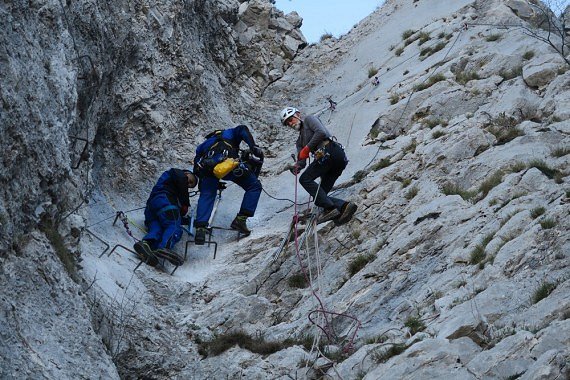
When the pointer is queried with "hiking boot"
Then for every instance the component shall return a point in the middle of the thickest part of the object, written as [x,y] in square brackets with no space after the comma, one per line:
[174,257]
[145,253]
[200,237]
[347,211]
[239,224]
[328,215]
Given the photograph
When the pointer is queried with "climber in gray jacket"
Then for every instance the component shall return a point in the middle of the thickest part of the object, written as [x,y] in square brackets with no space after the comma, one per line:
[328,164]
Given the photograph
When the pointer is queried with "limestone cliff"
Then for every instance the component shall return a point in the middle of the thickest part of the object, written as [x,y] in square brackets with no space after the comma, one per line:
[455,265]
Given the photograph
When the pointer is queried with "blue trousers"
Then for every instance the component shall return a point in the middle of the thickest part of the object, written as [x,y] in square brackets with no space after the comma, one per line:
[163,221]
[209,186]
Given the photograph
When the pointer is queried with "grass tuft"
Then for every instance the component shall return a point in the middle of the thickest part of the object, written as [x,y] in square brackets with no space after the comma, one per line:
[466,76]
[490,183]
[437,134]
[297,281]
[543,291]
[415,325]
[412,193]
[325,36]
[560,151]
[394,350]
[493,37]
[536,212]
[477,255]
[223,342]
[547,224]
[528,55]
[360,262]
[430,82]
[453,189]
[544,168]
[372,71]
[383,163]
[407,33]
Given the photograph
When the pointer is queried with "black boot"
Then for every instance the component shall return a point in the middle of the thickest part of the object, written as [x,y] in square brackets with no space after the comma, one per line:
[145,253]
[239,224]
[200,237]
[328,215]
[347,211]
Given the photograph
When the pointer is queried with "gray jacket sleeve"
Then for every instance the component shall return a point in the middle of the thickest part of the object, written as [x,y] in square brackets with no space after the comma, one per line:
[318,130]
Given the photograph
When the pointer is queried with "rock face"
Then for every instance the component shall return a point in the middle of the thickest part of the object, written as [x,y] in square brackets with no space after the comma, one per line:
[456,261]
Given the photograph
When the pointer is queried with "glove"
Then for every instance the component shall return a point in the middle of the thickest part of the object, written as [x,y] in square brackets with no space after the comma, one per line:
[297,167]
[304,153]
[183,210]
[256,150]
[294,169]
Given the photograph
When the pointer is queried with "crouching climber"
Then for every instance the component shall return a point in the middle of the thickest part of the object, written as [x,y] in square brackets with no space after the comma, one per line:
[328,164]
[217,158]
[167,203]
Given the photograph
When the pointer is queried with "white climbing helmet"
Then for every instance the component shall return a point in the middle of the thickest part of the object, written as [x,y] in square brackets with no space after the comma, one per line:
[287,113]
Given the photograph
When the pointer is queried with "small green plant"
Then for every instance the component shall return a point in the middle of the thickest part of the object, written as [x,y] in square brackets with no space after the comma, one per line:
[377,339]
[478,254]
[410,194]
[406,182]
[441,35]
[223,342]
[325,36]
[544,168]
[398,52]
[547,224]
[517,167]
[504,128]
[528,55]
[423,38]
[415,325]
[490,183]
[359,175]
[426,52]
[453,189]
[394,98]
[372,71]
[430,82]
[407,33]
[492,37]
[465,76]
[383,163]
[437,134]
[297,281]
[433,122]
[360,262]
[58,244]
[510,74]
[560,151]
[536,212]
[394,350]
[543,291]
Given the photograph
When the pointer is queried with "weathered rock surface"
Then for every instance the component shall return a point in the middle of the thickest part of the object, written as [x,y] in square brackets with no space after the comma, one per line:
[455,264]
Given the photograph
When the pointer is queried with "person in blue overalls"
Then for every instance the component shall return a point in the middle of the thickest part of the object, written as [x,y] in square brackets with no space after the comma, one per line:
[167,203]
[219,146]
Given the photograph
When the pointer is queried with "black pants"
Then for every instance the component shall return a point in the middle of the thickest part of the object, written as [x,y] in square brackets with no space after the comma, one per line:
[328,169]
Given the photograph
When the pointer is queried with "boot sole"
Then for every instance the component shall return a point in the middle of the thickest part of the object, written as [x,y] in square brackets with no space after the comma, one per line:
[145,254]
[171,257]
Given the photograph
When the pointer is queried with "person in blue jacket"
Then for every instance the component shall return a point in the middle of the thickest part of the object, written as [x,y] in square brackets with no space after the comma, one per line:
[167,203]
[218,146]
